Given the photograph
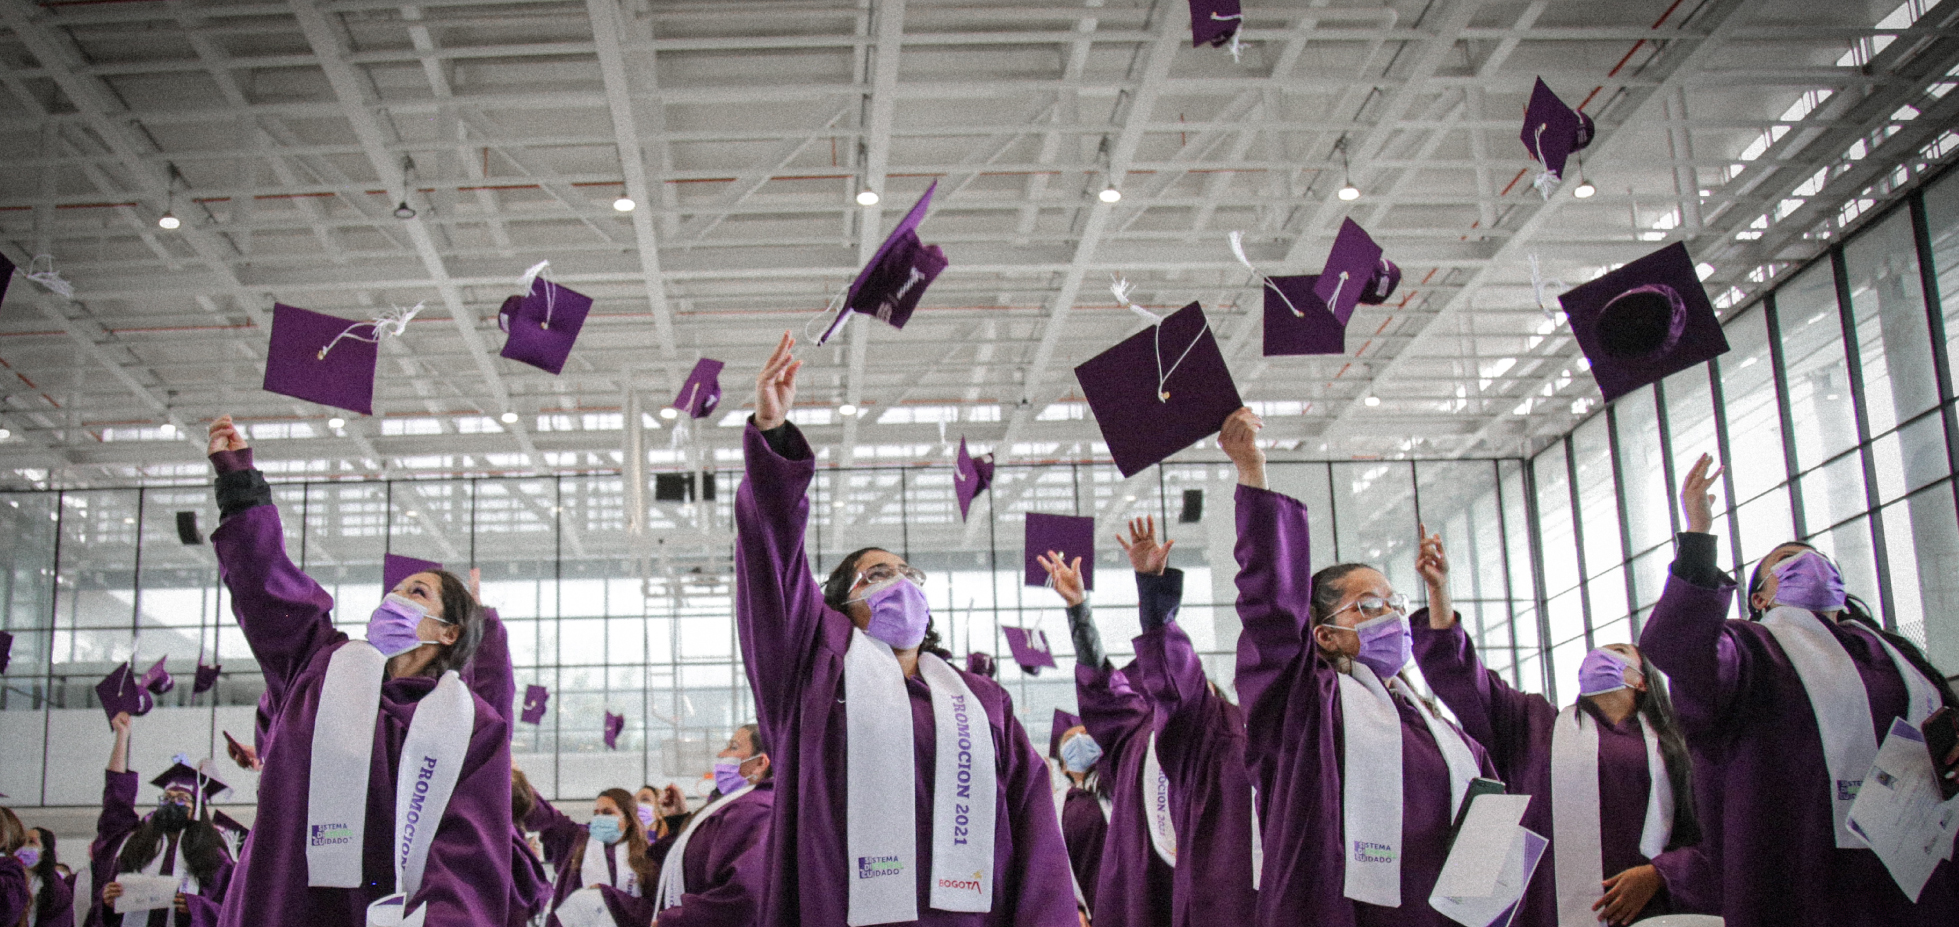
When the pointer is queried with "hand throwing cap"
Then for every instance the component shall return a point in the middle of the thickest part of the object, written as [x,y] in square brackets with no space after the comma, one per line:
[122,691]
[889,286]
[1160,390]
[1644,321]
[1070,535]
[701,393]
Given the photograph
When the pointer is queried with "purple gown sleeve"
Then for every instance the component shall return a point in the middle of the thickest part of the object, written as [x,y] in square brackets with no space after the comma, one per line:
[1274,592]
[489,673]
[735,870]
[1493,714]
[14,890]
[1167,667]
[1687,638]
[1689,874]
[286,616]
[1113,710]
[779,608]
[112,827]
[559,834]
[61,911]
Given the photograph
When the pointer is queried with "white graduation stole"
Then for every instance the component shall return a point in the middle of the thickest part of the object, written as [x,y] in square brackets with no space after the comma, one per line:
[431,761]
[1370,784]
[1841,705]
[1575,828]
[673,878]
[880,832]
[343,743]
[1156,806]
[592,868]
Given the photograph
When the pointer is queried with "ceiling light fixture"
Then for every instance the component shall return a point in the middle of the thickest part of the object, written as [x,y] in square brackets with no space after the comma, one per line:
[1109,195]
[1348,192]
[403,211]
[847,409]
[1585,190]
[624,204]
[336,423]
[169,221]
[669,413]
[5,434]
[867,197]
[167,429]
[1371,401]
[508,418]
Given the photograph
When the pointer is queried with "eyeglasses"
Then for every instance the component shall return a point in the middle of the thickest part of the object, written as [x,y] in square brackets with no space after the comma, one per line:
[886,572]
[1372,606]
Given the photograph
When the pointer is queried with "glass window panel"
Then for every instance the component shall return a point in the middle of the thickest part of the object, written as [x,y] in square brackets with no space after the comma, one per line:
[1650,571]
[1748,398]
[1608,596]
[1812,350]
[1559,537]
[1942,223]
[1523,583]
[1765,523]
[1690,414]
[1567,613]
[1459,501]
[1598,498]
[1642,472]
[1376,503]
[1921,542]
[1909,458]
[1833,492]
[1565,659]
[1894,341]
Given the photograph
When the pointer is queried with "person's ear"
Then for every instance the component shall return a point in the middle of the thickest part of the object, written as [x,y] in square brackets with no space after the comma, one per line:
[1324,638]
[761,761]
[450,633]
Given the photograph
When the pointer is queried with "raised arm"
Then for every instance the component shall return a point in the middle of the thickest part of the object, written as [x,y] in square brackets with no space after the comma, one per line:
[1492,713]
[1687,635]
[285,615]
[489,673]
[118,815]
[779,608]
[558,834]
[1111,709]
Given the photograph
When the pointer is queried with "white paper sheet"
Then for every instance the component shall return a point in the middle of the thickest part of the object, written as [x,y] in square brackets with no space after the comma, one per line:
[146,892]
[1899,812]
[1483,846]
[1500,907]
[584,908]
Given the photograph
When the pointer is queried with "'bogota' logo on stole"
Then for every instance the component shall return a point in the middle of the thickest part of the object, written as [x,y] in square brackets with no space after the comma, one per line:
[871,867]
[330,834]
[1365,852]
[972,884]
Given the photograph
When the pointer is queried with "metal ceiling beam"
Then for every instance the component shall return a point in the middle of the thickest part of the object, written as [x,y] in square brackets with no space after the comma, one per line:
[608,28]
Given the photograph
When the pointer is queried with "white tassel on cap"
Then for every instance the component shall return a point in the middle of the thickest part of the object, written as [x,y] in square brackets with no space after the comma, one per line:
[1238,251]
[393,322]
[1120,287]
[1538,284]
[48,278]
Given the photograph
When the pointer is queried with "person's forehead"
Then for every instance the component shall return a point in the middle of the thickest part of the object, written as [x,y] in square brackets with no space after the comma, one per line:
[1365,581]
[877,557]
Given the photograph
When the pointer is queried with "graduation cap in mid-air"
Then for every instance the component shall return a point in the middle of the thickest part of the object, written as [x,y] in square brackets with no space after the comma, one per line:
[543,322]
[1645,321]
[981,664]
[122,691]
[1552,132]
[1069,535]
[1214,22]
[970,477]
[614,724]
[1030,648]
[207,676]
[157,679]
[535,699]
[327,359]
[701,394]
[1160,390]
[890,286]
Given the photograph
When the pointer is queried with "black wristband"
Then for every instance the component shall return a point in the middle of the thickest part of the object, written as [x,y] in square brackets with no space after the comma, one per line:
[1694,559]
[1088,641]
[240,490]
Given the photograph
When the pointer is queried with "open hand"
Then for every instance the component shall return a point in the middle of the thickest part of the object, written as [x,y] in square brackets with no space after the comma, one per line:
[1627,893]
[1239,438]
[775,387]
[1432,562]
[1067,578]
[1145,554]
[225,436]
[1697,494]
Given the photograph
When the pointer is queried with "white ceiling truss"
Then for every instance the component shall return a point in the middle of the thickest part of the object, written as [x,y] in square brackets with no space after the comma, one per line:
[285,134]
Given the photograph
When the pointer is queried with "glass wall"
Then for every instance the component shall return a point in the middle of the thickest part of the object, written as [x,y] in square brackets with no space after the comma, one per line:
[1834,412]
[640,624]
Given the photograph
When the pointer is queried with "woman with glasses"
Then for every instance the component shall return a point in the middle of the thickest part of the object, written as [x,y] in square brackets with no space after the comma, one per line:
[1358,778]
[907,792]
[1796,702]
[1611,777]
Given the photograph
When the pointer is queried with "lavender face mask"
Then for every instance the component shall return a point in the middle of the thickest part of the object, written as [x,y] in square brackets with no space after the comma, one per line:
[1809,580]
[1602,671]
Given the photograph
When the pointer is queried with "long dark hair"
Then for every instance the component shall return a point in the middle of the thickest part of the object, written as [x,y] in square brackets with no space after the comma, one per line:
[836,594]
[1856,610]
[44,908]
[201,848]
[460,609]
[1655,708]
[12,837]
[643,866]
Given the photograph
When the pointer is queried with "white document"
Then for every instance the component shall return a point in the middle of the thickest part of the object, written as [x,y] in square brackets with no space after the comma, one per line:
[146,892]
[585,908]
[1899,811]
[1483,847]
[1499,908]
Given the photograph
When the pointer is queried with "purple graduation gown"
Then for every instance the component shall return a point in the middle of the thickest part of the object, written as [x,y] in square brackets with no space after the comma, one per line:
[286,618]
[1133,887]
[13,889]
[1291,698]
[793,647]
[60,910]
[117,821]
[562,837]
[1200,742]
[726,865]
[1740,700]
[1515,727]
[1085,831]
[493,679]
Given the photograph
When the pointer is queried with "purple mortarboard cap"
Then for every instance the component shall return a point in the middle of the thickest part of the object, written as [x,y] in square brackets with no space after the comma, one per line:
[702,392]
[121,691]
[1160,390]
[1070,535]
[1380,286]
[395,568]
[1030,648]
[1296,322]
[182,775]
[157,679]
[613,725]
[6,275]
[1644,321]
[1552,130]
[543,324]
[889,286]
[343,379]
[6,650]
[1353,262]
[1213,22]
[970,477]
[981,664]
[535,700]
[207,676]
[1063,721]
